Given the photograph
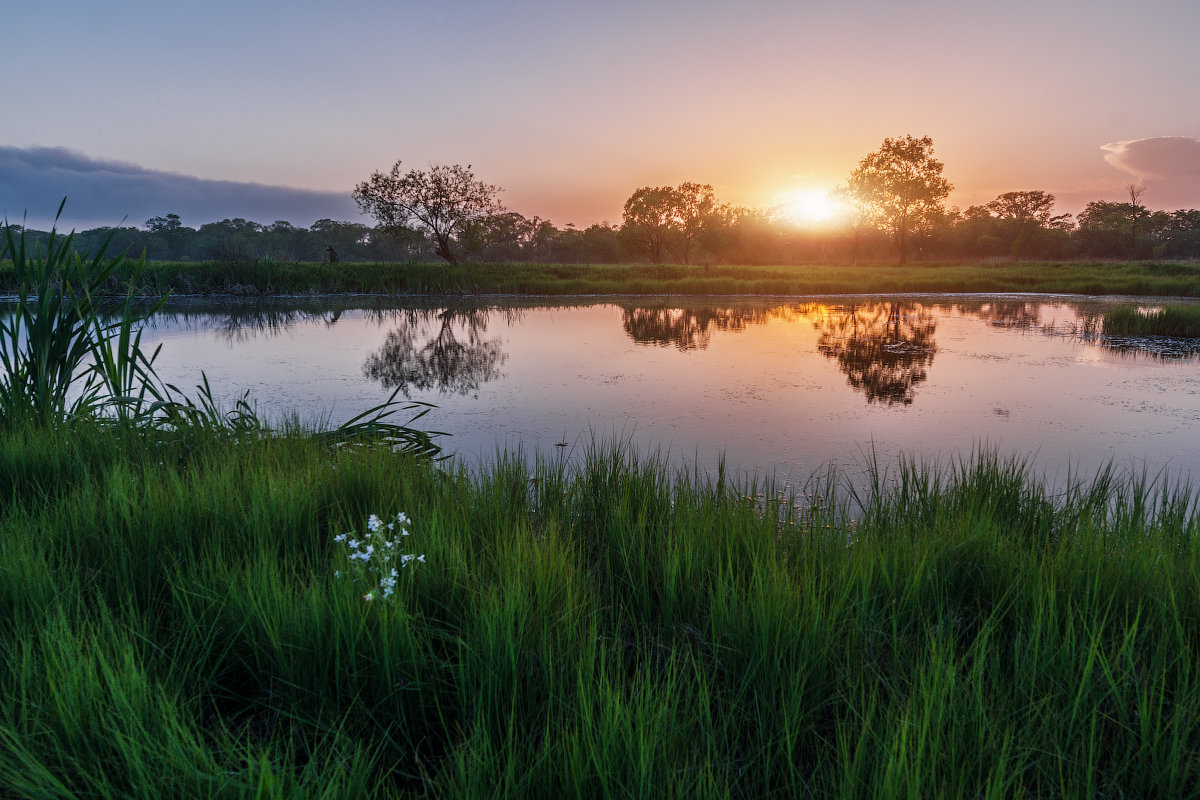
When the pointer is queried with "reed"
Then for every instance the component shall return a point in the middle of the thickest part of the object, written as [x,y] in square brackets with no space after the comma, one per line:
[181,613]
[67,353]
[1171,320]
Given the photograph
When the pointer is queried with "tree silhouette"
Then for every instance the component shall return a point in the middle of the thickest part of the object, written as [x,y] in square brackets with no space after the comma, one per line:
[900,186]
[437,349]
[884,348]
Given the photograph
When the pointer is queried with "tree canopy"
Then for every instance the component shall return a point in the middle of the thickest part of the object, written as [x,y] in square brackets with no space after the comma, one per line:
[901,188]
[662,220]
[446,201]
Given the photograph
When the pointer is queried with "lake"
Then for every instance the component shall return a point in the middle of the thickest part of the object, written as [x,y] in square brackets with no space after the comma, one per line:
[785,386]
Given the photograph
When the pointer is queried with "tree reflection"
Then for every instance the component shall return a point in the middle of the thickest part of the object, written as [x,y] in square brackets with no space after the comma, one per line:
[1017,314]
[438,349]
[686,328]
[884,348]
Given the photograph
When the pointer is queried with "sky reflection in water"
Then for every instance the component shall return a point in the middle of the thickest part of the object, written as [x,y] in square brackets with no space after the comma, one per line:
[777,386]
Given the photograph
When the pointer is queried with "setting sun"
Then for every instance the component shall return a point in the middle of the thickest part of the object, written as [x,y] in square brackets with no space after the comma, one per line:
[808,207]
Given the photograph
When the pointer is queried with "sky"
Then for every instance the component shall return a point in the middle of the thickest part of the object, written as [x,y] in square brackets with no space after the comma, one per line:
[275,110]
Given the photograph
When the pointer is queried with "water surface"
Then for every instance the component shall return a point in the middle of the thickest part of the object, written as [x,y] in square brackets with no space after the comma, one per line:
[783,386]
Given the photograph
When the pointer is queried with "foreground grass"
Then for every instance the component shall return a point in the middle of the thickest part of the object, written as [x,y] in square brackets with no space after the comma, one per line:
[171,625]
[1097,278]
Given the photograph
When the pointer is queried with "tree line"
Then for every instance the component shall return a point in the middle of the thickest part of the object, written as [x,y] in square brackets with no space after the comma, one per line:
[894,205]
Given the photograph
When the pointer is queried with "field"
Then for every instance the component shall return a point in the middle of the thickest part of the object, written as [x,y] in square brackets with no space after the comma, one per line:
[1119,277]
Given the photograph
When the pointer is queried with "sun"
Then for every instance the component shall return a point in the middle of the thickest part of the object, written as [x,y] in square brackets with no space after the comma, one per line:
[807,207]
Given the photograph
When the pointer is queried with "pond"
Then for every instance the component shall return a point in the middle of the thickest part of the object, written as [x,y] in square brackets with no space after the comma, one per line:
[785,386]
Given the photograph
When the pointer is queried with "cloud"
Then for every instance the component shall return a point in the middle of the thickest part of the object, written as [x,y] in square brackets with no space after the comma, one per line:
[102,192]
[1158,157]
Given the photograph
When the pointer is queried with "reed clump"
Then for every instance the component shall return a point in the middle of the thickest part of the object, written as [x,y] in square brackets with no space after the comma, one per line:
[1171,320]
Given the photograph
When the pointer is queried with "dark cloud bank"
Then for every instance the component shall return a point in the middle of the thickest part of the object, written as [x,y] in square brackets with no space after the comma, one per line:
[34,180]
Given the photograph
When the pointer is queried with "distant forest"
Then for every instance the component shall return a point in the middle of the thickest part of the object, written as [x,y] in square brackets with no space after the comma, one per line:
[1017,225]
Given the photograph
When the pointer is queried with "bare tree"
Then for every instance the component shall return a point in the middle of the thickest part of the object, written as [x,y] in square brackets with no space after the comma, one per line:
[1136,212]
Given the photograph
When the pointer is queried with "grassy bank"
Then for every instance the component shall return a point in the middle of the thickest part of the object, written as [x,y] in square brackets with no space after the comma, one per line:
[178,617]
[1138,278]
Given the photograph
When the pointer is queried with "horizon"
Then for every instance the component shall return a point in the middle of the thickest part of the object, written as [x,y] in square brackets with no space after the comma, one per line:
[277,111]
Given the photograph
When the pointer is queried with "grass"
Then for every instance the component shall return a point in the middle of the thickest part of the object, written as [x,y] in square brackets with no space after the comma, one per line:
[1084,277]
[1182,321]
[171,621]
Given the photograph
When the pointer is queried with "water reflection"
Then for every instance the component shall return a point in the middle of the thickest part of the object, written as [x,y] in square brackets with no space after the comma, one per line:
[443,349]
[686,328]
[883,348]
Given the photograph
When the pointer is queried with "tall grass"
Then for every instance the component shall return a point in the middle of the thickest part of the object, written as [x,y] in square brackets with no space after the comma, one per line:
[171,621]
[67,354]
[59,359]
[1182,321]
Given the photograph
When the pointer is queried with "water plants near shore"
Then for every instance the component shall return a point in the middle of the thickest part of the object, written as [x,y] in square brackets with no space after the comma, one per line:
[1179,321]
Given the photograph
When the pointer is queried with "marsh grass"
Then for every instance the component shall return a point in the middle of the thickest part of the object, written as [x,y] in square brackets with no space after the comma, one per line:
[266,278]
[1171,320]
[170,622]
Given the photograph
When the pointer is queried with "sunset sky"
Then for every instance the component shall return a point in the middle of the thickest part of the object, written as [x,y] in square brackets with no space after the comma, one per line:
[135,109]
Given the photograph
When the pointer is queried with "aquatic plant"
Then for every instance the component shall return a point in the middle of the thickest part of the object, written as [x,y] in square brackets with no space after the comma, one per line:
[1172,320]
[69,351]
[60,358]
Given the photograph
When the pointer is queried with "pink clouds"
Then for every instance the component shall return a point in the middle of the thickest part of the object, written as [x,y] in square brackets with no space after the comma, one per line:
[1168,166]
[1163,157]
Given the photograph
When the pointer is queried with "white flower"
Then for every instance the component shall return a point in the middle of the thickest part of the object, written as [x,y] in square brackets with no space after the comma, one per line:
[373,523]
[341,537]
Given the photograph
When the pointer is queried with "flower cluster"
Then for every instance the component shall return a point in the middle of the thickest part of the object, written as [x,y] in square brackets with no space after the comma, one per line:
[373,558]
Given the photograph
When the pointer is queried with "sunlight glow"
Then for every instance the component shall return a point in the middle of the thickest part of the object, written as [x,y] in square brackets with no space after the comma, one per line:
[808,207]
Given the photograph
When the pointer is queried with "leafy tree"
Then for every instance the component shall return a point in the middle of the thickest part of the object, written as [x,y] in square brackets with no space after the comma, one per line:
[648,221]
[663,219]
[445,201]
[169,237]
[1106,228]
[901,189]
[1024,218]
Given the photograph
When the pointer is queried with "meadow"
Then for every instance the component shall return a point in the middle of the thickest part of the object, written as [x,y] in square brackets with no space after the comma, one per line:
[194,605]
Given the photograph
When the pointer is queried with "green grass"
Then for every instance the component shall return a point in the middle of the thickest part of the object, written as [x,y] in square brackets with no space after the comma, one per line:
[1181,321]
[1095,277]
[171,624]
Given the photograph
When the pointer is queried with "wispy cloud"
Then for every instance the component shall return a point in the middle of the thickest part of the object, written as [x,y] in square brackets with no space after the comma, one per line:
[34,180]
